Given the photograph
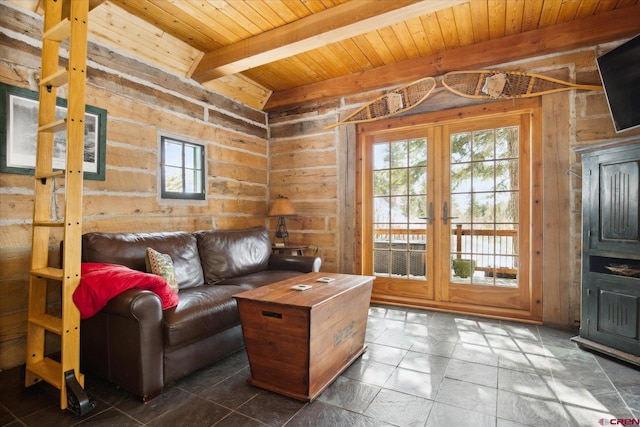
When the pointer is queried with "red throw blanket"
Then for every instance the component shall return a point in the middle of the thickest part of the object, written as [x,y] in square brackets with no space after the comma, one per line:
[101,282]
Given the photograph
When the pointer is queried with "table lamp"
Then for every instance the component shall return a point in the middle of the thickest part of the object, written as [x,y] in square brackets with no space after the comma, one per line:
[282,207]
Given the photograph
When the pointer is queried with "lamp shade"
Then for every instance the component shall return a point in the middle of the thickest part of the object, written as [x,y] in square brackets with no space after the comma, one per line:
[282,207]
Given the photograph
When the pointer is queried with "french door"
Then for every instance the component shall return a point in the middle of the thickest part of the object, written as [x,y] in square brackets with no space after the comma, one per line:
[447,215]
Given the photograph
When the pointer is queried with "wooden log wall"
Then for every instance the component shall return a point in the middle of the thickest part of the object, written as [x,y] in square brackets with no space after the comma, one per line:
[142,104]
[318,169]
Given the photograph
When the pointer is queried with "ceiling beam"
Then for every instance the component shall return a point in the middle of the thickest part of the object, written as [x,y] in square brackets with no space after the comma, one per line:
[610,26]
[319,29]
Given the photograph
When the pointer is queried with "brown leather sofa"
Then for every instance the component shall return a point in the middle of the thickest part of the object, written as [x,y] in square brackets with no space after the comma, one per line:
[136,345]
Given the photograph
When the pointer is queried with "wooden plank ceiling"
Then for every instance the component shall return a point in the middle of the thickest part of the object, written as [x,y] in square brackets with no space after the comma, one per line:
[274,54]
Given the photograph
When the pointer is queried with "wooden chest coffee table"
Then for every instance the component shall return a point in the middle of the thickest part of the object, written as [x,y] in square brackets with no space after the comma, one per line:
[299,342]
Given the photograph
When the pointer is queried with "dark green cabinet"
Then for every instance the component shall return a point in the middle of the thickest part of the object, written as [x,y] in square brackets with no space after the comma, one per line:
[611,250]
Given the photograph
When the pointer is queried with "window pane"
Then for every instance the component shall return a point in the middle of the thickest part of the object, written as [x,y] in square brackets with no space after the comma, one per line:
[483,145]
[418,180]
[381,156]
[399,154]
[381,183]
[189,156]
[172,154]
[461,178]
[460,147]
[507,143]
[173,179]
[418,152]
[399,181]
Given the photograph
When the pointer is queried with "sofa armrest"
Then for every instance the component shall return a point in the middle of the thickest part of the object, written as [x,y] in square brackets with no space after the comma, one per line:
[303,264]
[123,343]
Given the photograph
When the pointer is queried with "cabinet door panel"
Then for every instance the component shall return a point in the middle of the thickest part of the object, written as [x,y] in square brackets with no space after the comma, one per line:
[619,202]
[613,202]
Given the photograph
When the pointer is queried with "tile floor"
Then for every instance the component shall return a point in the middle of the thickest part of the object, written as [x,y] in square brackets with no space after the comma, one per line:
[422,368]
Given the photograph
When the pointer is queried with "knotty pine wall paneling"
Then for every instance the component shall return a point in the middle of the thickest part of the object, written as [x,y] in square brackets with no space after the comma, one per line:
[142,103]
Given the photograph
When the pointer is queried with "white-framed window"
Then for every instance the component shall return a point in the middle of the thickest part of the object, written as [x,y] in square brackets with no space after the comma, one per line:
[181,169]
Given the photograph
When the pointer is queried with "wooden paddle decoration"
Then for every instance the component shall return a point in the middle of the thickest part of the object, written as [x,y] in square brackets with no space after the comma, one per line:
[395,102]
[493,84]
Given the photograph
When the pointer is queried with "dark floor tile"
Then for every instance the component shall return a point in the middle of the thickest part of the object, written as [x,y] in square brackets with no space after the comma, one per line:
[170,400]
[24,401]
[232,392]
[6,417]
[472,372]
[399,409]
[270,408]
[426,363]
[519,361]
[418,316]
[392,338]
[431,345]
[55,417]
[476,353]
[557,337]
[349,394]
[383,354]
[238,420]
[371,422]
[443,334]
[369,372]
[605,399]
[109,418]
[528,383]
[320,414]
[500,422]
[472,397]
[414,383]
[446,415]
[521,330]
[529,410]
[445,321]
[192,412]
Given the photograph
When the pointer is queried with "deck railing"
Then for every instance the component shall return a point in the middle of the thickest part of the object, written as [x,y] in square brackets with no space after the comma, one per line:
[493,250]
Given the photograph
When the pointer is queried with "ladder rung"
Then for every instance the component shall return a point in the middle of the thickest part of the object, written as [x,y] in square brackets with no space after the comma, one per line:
[48,370]
[57,126]
[57,79]
[48,224]
[58,32]
[54,174]
[49,322]
[48,273]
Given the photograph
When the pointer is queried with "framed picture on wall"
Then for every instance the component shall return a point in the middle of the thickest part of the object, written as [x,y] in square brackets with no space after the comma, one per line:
[19,134]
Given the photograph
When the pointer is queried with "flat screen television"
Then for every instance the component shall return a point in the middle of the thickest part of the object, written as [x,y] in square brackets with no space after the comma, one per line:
[620,73]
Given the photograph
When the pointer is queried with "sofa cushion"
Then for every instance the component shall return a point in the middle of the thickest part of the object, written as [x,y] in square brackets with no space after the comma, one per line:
[130,249]
[233,253]
[162,265]
[201,312]
[261,278]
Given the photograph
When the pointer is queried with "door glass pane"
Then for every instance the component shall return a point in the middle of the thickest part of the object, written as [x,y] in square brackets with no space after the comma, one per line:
[400,208]
[484,204]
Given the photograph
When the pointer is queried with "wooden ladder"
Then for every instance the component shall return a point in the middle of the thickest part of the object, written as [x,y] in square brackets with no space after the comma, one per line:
[63,20]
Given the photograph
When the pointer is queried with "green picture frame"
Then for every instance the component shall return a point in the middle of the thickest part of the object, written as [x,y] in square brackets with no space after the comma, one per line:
[18,134]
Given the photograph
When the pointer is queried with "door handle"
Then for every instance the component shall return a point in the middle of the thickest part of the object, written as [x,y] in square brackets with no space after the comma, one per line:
[445,214]
[430,217]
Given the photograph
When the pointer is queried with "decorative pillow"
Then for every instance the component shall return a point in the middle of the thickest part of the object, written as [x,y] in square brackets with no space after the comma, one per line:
[162,265]
[100,282]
